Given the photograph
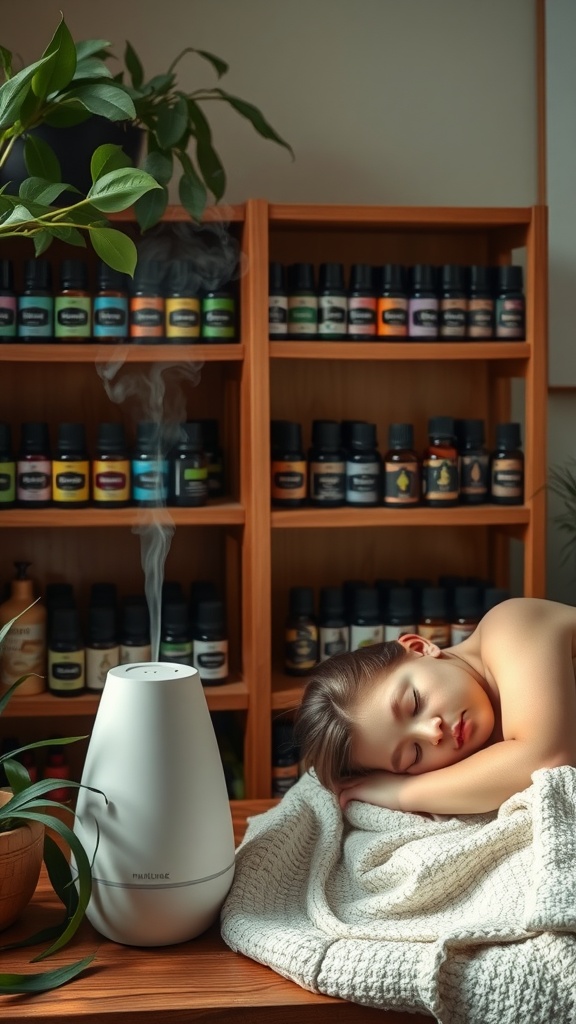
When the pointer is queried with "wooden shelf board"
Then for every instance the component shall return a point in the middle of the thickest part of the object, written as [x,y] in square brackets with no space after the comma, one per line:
[217,513]
[228,697]
[222,213]
[440,218]
[401,351]
[460,515]
[89,352]
[286,690]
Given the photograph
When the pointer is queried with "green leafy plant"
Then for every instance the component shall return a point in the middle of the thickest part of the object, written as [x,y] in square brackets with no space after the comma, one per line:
[562,483]
[30,802]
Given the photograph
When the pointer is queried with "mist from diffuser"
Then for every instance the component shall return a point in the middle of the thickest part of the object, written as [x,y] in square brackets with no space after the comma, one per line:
[164,841]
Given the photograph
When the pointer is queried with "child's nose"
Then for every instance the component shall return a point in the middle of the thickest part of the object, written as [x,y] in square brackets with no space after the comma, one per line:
[432,730]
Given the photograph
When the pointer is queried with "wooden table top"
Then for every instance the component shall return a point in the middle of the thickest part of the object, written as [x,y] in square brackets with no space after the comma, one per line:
[200,980]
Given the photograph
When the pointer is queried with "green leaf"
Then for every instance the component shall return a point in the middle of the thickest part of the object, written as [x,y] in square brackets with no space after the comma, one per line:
[56,74]
[220,66]
[171,123]
[6,62]
[13,92]
[150,208]
[42,241]
[160,84]
[41,160]
[68,113]
[160,166]
[107,99]
[115,248]
[91,67]
[19,215]
[57,741]
[108,158]
[89,47]
[28,984]
[192,192]
[209,162]
[17,775]
[256,118]
[119,189]
[132,62]
[67,234]
[39,190]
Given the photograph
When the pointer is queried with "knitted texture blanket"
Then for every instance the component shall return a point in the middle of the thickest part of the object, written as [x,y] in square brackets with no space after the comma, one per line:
[469,918]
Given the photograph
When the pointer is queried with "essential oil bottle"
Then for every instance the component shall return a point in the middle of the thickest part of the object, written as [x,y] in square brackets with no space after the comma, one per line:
[402,471]
[302,302]
[362,303]
[71,467]
[34,467]
[147,309]
[102,647]
[473,462]
[66,654]
[111,477]
[363,466]
[277,302]
[7,468]
[507,466]
[285,770]
[423,303]
[214,457]
[466,613]
[183,305]
[510,303]
[289,469]
[440,480]
[149,467]
[8,304]
[219,317]
[301,633]
[110,306]
[326,465]
[433,621]
[73,303]
[188,476]
[480,303]
[334,632]
[400,613]
[210,643]
[366,626]
[36,303]
[176,635]
[392,311]
[135,632]
[453,302]
[332,303]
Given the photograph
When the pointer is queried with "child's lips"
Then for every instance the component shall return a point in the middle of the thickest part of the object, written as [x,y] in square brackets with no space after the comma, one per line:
[461,731]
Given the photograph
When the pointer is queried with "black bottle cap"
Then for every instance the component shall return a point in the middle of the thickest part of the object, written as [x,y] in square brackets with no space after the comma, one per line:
[201,590]
[5,439]
[191,437]
[401,435]
[441,427]
[362,436]
[183,278]
[362,278]
[104,594]
[101,624]
[276,278]
[480,280]
[59,595]
[433,603]
[331,277]
[493,596]
[148,437]
[285,436]
[211,434]
[110,280]
[508,436]
[111,440]
[65,624]
[71,438]
[393,278]
[136,620]
[301,278]
[210,615]
[366,604]
[467,602]
[38,274]
[349,588]
[453,278]
[172,592]
[423,278]
[301,601]
[74,274]
[6,276]
[326,435]
[470,432]
[401,603]
[331,603]
[35,439]
[510,279]
[175,617]
[148,276]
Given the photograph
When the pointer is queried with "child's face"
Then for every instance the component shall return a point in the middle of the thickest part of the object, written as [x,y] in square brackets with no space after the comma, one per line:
[425,713]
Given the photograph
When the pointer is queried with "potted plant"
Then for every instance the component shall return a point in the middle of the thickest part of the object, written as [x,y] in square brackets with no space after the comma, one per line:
[27,817]
[562,483]
[72,82]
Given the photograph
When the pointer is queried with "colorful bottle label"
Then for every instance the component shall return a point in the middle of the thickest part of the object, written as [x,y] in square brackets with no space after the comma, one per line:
[278,315]
[211,660]
[362,316]
[190,483]
[150,481]
[362,483]
[461,631]
[327,481]
[401,483]
[70,481]
[301,652]
[35,316]
[437,632]
[23,654]
[453,313]
[219,319]
[480,318]
[332,310]
[34,480]
[66,671]
[365,636]
[474,475]
[147,316]
[72,316]
[99,661]
[111,316]
[130,654]
[183,317]
[392,630]
[8,317]
[302,314]
[7,482]
[440,480]
[111,481]
[507,479]
[333,640]
[423,318]
[510,315]
[288,480]
[392,316]
[178,652]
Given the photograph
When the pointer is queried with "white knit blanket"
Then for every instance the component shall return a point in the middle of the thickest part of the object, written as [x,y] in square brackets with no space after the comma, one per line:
[469,918]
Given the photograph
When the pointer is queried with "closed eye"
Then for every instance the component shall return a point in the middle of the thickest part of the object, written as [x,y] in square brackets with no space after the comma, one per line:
[416,702]
[418,755]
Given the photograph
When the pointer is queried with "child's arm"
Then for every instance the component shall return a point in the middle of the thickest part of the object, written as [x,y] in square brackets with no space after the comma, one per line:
[525,649]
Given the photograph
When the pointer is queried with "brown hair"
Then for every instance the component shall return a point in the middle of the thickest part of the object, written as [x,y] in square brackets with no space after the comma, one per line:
[325,716]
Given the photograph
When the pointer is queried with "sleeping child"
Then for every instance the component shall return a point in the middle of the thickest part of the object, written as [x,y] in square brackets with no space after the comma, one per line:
[409,726]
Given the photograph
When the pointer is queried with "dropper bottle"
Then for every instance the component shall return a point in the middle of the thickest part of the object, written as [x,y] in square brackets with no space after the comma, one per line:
[24,646]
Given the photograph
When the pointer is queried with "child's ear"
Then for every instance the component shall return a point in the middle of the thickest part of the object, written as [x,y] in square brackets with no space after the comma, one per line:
[419,645]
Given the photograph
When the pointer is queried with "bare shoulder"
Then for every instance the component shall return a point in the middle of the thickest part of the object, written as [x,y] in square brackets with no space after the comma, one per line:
[526,621]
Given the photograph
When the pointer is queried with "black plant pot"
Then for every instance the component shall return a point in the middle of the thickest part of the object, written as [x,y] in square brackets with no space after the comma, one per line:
[74,147]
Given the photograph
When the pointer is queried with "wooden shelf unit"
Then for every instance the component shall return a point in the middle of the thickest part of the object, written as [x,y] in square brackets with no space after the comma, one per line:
[256,553]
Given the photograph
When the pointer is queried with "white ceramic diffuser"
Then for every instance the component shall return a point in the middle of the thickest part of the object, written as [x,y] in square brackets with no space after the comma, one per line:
[164,841]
